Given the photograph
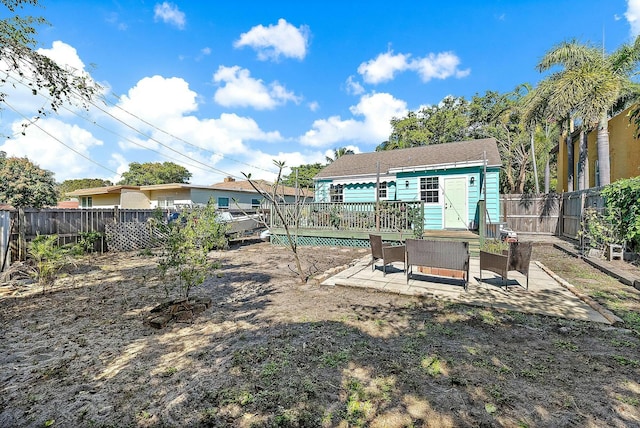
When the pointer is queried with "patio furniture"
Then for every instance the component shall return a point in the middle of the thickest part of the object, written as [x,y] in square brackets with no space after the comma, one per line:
[387,253]
[452,255]
[517,258]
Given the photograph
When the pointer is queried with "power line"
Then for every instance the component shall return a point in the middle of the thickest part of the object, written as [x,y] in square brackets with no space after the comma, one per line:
[94,123]
[33,122]
[178,138]
[225,173]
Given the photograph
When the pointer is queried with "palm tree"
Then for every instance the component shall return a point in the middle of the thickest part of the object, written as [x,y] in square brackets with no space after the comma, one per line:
[590,85]
[337,153]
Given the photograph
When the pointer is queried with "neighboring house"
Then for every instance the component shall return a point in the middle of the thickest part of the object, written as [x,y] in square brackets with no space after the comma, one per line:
[111,196]
[229,194]
[231,191]
[578,164]
[68,204]
[448,178]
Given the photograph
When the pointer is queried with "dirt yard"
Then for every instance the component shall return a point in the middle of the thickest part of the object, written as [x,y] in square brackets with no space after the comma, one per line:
[270,352]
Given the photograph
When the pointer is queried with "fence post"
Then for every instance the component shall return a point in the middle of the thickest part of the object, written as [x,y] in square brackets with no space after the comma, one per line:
[22,238]
[561,216]
[5,239]
[116,214]
[482,223]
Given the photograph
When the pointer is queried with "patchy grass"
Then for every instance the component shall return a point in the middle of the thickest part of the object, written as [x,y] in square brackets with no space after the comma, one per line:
[272,353]
[623,300]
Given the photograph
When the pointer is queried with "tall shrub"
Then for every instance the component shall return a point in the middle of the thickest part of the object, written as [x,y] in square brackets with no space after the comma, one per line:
[49,258]
[622,200]
[186,244]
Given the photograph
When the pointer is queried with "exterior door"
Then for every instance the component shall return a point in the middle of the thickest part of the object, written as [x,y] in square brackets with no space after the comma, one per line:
[455,203]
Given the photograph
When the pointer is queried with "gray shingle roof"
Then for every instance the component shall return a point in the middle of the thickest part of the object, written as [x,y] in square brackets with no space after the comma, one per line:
[436,154]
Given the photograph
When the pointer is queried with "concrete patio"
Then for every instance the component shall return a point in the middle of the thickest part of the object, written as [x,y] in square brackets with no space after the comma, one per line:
[547,294]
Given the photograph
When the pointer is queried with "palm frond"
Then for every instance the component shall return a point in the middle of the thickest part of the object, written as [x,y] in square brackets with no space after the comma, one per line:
[569,55]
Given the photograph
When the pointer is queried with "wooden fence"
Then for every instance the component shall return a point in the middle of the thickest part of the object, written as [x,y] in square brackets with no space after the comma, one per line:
[535,214]
[392,216]
[550,214]
[21,226]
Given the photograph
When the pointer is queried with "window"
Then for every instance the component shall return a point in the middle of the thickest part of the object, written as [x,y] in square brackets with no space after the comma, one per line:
[335,192]
[166,203]
[87,202]
[255,203]
[429,190]
[382,190]
[223,202]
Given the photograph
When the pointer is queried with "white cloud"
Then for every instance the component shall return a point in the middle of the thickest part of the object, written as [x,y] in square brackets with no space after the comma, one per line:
[439,66]
[19,94]
[377,110]
[210,142]
[278,40]
[383,68]
[387,65]
[241,90]
[354,87]
[157,98]
[314,106]
[65,56]
[120,164]
[633,16]
[113,19]
[169,14]
[330,153]
[46,151]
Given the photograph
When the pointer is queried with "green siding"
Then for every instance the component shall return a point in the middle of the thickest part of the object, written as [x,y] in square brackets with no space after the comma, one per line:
[322,190]
[406,188]
[367,192]
[359,192]
[493,196]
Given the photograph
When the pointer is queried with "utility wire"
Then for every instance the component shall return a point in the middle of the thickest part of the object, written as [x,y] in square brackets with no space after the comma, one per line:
[225,173]
[90,101]
[118,97]
[33,122]
[94,123]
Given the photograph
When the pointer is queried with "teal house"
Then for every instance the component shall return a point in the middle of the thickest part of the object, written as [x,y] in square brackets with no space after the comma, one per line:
[449,178]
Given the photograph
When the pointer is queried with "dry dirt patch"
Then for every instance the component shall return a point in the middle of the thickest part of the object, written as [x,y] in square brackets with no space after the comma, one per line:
[272,352]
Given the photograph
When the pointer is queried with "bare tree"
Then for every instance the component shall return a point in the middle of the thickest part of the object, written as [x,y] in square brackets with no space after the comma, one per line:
[275,195]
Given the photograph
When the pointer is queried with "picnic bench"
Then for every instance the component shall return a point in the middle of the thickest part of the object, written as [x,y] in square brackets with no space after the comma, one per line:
[452,255]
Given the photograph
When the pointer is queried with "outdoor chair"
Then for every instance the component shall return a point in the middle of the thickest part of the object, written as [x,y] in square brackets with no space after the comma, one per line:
[453,255]
[387,253]
[517,257]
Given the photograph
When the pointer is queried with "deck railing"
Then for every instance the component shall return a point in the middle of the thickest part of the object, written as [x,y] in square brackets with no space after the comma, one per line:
[388,216]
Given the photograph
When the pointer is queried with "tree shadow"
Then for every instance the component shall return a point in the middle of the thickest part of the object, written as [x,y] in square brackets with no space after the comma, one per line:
[339,357]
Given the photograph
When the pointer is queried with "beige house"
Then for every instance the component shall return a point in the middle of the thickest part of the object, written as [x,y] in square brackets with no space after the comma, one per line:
[230,194]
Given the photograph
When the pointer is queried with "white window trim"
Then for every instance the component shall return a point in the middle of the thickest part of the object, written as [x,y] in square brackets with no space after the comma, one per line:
[375,191]
[342,187]
[223,206]
[440,190]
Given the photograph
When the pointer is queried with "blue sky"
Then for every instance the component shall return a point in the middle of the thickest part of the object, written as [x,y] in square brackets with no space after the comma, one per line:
[224,88]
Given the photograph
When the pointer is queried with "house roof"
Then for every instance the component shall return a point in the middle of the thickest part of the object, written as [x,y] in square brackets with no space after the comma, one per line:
[236,186]
[265,186]
[68,204]
[100,190]
[173,186]
[436,156]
